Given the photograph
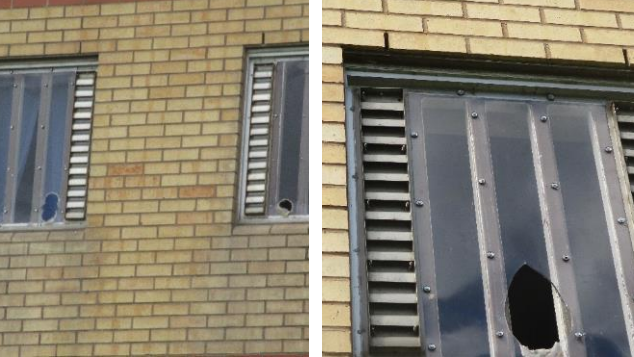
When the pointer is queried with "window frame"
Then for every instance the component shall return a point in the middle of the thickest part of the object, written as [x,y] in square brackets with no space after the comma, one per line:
[357,76]
[54,65]
[254,57]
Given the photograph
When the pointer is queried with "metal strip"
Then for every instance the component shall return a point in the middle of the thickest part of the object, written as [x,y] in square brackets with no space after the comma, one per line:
[278,80]
[358,266]
[303,197]
[615,212]
[16,114]
[13,66]
[555,231]
[501,341]
[42,139]
[421,226]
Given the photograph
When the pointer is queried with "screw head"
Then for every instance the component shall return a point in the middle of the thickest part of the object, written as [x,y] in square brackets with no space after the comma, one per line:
[419,203]
[474,115]
[608,149]
[490,255]
[544,119]
[565,258]
[427,289]
[431,347]
[621,220]
[413,134]
[482,181]
[554,186]
[460,92]
[550,97]
[42,126]
[579,335]
[500,334]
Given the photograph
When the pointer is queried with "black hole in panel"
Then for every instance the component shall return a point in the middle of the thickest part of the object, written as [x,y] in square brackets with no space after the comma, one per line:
[50,207]
[532,309]
[285,207]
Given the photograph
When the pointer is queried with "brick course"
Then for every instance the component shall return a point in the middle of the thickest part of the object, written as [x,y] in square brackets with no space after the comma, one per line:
[566,31]
[161,267]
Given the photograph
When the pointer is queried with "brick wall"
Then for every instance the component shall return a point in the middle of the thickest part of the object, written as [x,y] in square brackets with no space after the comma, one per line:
[162,268]
[566,31]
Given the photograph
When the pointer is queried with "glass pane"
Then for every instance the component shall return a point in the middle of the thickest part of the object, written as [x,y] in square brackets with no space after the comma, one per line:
[27,149]
[519,214]
[291,133]
[461,306]
[602,315]
[57,142]
[6,97]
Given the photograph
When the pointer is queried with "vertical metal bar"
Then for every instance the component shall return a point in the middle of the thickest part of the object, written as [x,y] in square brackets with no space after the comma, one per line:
[555,232]
[358,266]
[421,226]
[615,212]
[42,139]
[14,147]
[275,141]
[501,341]
[302,196]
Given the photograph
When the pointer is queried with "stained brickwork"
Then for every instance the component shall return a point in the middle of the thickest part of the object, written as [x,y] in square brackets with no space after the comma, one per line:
[566,31]
[161,266]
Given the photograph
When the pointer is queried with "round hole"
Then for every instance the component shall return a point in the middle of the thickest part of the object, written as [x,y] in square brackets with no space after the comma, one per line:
[285,207]
[50,207]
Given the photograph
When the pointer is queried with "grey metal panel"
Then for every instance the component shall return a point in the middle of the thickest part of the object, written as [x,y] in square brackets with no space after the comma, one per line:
[43,128]
[6,108]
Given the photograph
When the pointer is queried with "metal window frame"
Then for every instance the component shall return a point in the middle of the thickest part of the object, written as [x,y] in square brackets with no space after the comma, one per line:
[254,57]
[604,91]
[46,68]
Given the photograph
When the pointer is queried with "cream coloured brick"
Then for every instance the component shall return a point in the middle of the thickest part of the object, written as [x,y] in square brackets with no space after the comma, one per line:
[426,42]
[337,341]
[544,32]
[503,12]
[547,3]
[331,17]
[352,37]
[383,22]
[586,53]
[335,290]
[335,219]
[581,18]
[612,5]
[335,315]
[464,27]
[441,8]
[503,47]
[365,5]
[332,92]
[613,37]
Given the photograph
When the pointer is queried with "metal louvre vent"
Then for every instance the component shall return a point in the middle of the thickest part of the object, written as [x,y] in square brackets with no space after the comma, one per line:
[259,139]
[625,118]
[80,146]
[392,292]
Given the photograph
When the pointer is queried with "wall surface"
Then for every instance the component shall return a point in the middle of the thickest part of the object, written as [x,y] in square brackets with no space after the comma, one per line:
[161,267]
[565,31]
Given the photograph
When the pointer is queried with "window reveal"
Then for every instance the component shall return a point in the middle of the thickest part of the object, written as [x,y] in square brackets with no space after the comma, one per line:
[487,171]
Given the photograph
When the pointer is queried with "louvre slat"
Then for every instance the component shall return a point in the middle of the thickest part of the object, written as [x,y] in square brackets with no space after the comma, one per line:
[388,140]
[389,123]
[387,196]
[399,159]
[395,341]
[389,236]
[388,106]
[396,256]
[626,118]
[388,216]
[393,298]
[399,277]
[387,176]
[394,320]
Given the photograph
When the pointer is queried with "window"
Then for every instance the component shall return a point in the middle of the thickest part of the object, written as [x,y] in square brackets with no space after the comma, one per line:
[274,177]
[45,121]
[487,210]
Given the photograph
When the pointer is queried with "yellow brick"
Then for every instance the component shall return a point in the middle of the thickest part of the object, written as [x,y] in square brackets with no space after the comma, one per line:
[547,3]
[544,32]
[612,5]
[85,10]
[154,6]
[330,17]
[333,112]
[440,8]
[586,53]
[335,290]
[511,48]
[333,196]
[335,218]
[333,133]
[464,27]
[613,37]
[383,22]
[352,37]
[101,22]
[12,38]
[582,18]
[503,12]
[337,341]
[63,24]
[332,74]
[118,9]
[335,315]
[45,12]
[333,174]
[28,25]
[191,5]
[365,5]
[332,92]
[425,42]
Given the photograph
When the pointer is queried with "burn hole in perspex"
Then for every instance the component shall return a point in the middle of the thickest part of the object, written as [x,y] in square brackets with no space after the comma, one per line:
[50,207]
[285,207]
[531,309]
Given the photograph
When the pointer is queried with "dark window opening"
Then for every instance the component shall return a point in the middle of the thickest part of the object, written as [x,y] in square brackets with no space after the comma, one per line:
[531,309]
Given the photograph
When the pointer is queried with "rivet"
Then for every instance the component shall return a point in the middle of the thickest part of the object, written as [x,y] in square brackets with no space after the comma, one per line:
[39,167]
[608,149]
[621,220]
[566,258]
[5,211]
[419,203]
[12,127]
[490,255]
[579,335]
[550,97]
[15,86]
[35,210]
[414,134]
[42,126]
[460,92]
[427,289]
[544,119]
[482,181]
[554,186]
[431,347]
[474,115]
[500,334]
